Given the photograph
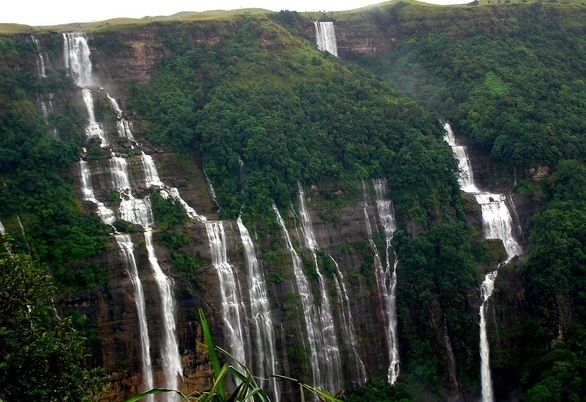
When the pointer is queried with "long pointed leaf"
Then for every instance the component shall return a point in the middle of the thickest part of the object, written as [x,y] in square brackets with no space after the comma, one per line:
[156,391]
[213,356]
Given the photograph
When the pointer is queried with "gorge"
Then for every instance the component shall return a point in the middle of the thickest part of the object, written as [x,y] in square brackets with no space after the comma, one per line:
[329,227]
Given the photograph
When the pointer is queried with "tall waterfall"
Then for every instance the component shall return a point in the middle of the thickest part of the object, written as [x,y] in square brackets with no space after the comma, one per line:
[312,321]
[386,278]
[77,58]
[325,36]
[123,125]
[169,349]
[135,210]
[127,250]
[264,335]
[333,364]
[496,224]
[40,58]
[466,176]
[347,325]
[105,213]
[232,304]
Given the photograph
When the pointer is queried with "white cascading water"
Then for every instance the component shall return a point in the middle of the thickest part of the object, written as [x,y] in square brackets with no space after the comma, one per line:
[312,322]
[76,54]
[94,129]
[46,107]
[466,176]
[325,36]
[347,325]
[151,174]
[264,335]
[230,291]
[40,58]
[170,357]
[77,61]
[386,277]
[105,213]
[496,224]
[332,369]
[119,174]
[2,229]
[174,193]
[127,250]
[123,125]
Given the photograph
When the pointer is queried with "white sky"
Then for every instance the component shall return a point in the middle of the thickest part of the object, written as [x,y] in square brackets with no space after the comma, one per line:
[54,12]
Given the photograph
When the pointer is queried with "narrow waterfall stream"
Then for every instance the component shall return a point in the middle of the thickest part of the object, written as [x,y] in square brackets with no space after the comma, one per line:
[127,250]
[134,210]
[312,322]
[496,224]
[325,36]
[347,325]
[386,277]
[333,363]
[231,294]
[264,335]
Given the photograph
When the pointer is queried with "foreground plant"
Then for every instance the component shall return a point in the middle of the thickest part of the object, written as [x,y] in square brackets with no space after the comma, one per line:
[247,388]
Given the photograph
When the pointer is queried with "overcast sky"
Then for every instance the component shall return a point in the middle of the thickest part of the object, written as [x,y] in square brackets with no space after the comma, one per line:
[53,12]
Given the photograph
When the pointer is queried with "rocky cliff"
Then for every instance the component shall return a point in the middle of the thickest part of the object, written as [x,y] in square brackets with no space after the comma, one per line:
[340,214]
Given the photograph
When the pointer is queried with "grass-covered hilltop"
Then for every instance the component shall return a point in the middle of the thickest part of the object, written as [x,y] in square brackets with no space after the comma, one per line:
[308,204]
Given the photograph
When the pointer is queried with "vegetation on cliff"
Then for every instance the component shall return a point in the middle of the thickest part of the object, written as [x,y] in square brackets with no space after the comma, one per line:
[42,356]
[266,111]
[509,78]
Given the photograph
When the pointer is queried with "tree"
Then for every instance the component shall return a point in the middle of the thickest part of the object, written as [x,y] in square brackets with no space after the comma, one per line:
[42,357]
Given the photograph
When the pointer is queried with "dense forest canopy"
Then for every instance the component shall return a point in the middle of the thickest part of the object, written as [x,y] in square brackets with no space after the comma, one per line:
[264,111]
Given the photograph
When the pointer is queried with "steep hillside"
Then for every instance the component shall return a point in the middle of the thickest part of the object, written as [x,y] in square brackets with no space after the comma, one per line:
[308,207]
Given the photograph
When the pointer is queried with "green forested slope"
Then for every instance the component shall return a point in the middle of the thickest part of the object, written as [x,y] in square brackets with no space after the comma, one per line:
[511,80]
[291,113]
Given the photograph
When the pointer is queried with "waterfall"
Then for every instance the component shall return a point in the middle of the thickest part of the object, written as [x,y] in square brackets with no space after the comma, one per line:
[486,291]
[119,174]
[94,129]
[325,36]
[386,278]
[46,107]
[2,229]
[127,251]
[333,364]
[105,213]
[174,193]
[138,211]
[466,176]
[230,292]
[496,224]
[77,58]
[40,58]
[347,325]
[312,322]
[169,349]
[151,175]
[122,124]
[264,336]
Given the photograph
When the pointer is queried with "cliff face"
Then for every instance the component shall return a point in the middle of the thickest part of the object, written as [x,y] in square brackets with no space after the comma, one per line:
[338,213]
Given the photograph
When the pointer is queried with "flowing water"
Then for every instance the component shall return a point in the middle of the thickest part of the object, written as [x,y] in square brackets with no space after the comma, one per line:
[386,277]
[265,353]
[331,359]
[232,304]
[312,322]
[325,36]
[127,251]
[135,210]
[496,224]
